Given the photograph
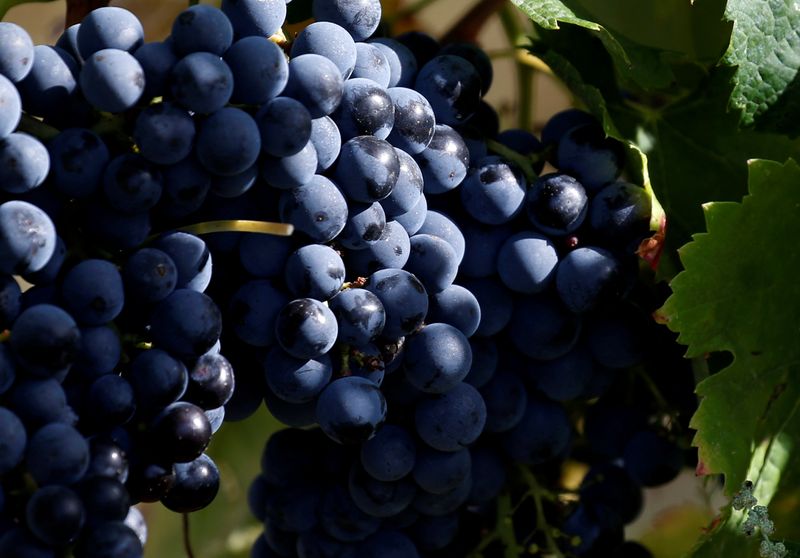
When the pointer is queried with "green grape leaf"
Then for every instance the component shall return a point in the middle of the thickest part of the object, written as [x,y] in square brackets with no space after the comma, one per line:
[698,153]
[642,65]
[765,49]
[738,294]
[695,148]
[771,470]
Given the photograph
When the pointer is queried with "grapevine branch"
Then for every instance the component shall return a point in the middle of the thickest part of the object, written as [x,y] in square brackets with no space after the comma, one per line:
[409,11]
[467,28]
[77,9]
[541,519]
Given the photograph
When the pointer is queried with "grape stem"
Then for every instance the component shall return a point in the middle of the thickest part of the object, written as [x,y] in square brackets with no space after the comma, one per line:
[538,494]
[36,128]
[187,543]
[77,9]
[661,401]
[235,225]
[524,162]
[509,18]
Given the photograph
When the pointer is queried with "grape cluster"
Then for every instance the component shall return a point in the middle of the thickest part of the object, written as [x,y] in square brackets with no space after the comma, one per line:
[449,318]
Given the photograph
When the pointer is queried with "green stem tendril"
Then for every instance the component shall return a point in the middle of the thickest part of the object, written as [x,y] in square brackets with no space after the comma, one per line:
[659,398]
[36,128]
[538,494]
[187,543]
[504,513]
[509,18]
[505,528]
[345,361]
[524,162]
[238,225]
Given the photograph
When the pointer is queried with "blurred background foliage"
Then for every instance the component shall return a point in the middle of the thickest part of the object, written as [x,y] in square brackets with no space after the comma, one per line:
[525,94]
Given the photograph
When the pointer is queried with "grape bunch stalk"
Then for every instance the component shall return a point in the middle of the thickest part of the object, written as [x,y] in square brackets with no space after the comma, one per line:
[445,316]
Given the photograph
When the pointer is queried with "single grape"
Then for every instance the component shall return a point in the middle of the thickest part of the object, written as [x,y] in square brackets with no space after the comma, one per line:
[360,17]
[367,169]
[317,209]
[401,60]
[314,271]
[13,440]
[46,340]
[201,28]
[329,40]
[93,292]
[24,162]
[164,133]
[366,109]
[296,380]
[437,358]
[439,472]
[132,184]
[586,276]
[389,455]
[112,80]
[228,142]
[77,159]
[372,64]
[12,106]
[452,420]
[557,204]
[255,17]
[306,328]
[494,191]
[201,82]
[285,126]
[157,60]
[55,515]
[527,262]
[316,82]
[444,161]
[403,298]
[414,120]
[51,82]
[588,154]
[109,27]
[57,454]
[180,433]
[196,485]
[260,70]
[452,85]
[351,409]
[16,51]
[360,316]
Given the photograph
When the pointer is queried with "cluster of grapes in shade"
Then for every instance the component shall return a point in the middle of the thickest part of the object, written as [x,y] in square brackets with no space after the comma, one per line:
[450,315]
